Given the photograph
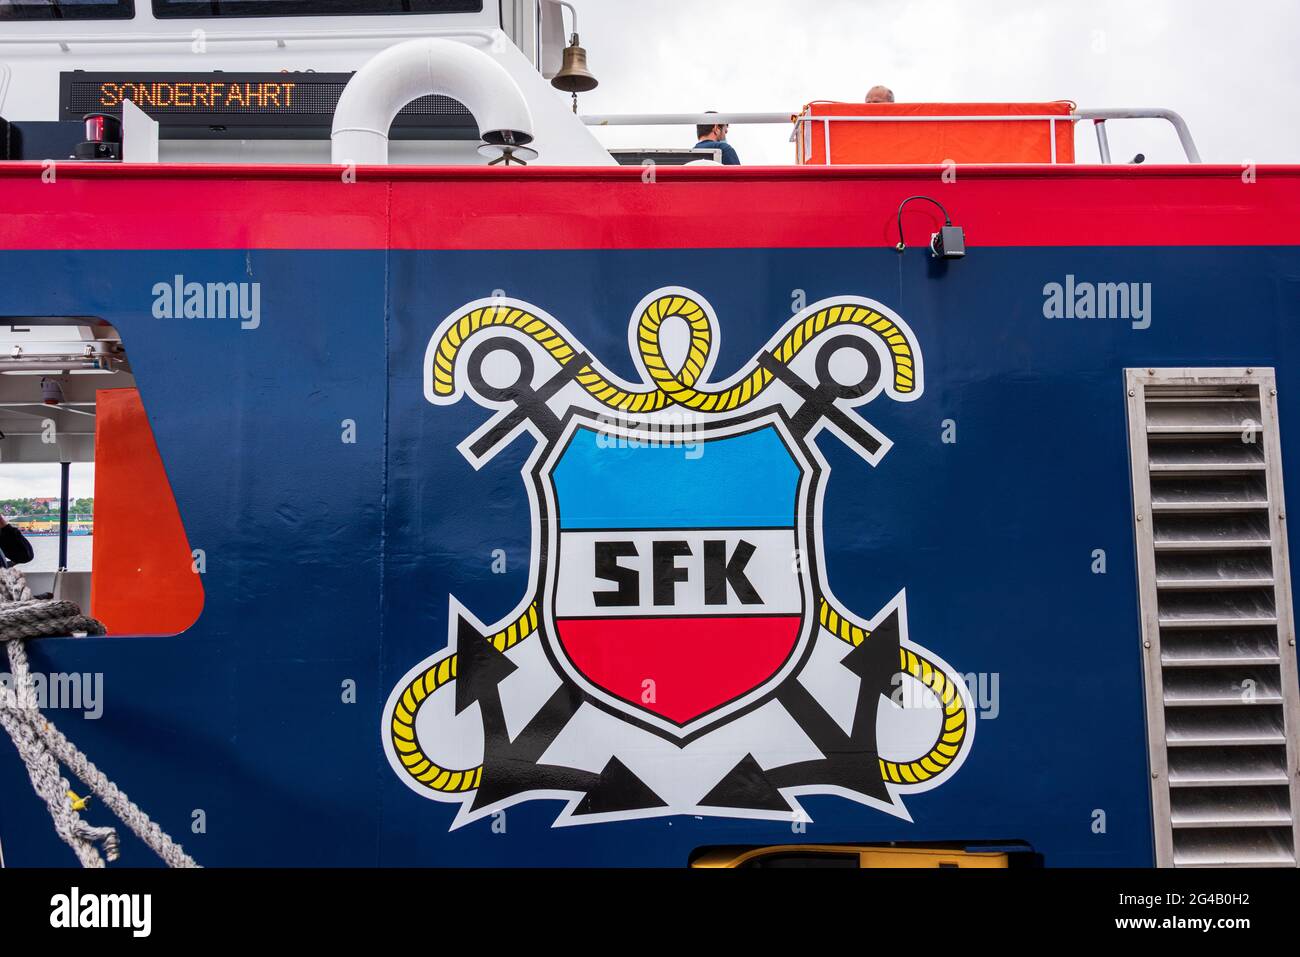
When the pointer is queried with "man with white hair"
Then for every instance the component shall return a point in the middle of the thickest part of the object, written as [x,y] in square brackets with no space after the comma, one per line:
[880,94]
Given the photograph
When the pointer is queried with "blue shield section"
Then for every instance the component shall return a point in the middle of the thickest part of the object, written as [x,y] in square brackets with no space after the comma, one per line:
[608,480]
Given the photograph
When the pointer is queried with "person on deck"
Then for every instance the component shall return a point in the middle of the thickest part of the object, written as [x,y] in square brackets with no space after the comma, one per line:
[715,138]
[880,94]
[14,545]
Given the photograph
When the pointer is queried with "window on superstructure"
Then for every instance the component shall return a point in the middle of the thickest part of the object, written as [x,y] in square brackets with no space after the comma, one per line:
[32,497]
[67,9]
[165,9]
[89,515]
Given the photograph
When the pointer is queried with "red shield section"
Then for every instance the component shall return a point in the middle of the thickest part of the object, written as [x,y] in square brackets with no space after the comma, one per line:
[698,664]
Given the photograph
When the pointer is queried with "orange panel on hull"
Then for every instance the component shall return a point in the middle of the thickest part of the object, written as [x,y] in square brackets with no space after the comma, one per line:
[142,578]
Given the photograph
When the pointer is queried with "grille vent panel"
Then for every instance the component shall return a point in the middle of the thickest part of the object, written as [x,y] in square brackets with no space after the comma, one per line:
[1222,700]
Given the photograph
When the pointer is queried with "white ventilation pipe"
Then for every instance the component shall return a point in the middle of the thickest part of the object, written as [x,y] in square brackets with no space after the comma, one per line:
[402,73]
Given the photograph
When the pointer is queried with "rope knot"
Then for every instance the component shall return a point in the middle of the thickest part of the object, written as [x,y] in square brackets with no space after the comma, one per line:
[44,748]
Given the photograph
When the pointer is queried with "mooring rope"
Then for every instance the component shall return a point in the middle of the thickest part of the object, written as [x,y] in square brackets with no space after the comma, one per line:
[669,387]
[44,748]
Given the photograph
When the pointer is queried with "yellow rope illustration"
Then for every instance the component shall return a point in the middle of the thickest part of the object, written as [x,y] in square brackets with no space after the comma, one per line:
[672,387]
[407,745]
[953,732]
[432,775]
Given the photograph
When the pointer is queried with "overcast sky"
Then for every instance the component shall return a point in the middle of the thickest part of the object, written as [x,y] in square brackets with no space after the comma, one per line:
[41,480]
[1231,70]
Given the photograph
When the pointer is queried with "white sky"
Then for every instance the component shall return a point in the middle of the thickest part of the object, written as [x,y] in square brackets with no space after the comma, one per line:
[1231,70]
[41,480]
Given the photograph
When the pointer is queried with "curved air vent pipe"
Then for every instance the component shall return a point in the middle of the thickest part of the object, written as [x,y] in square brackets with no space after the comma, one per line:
[415,68]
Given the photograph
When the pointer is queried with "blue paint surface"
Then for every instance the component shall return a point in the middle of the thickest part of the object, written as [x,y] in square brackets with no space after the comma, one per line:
[330,562]
[741,481]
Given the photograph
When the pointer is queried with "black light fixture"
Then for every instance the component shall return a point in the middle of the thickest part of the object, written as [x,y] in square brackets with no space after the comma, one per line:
[103,138]
[948,243]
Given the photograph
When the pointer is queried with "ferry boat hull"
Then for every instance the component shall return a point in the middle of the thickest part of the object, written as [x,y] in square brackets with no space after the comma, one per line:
[347,532]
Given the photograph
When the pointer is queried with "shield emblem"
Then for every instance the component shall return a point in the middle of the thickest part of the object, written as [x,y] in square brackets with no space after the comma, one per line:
[678,589]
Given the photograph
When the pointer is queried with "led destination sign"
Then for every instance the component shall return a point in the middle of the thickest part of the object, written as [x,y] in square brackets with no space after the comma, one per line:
[247,105]
[203,95]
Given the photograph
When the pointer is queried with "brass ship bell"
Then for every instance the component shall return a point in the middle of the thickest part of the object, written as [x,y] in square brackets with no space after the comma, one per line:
[574,77]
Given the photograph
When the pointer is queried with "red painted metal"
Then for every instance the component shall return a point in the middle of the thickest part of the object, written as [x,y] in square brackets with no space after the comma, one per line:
[118,206]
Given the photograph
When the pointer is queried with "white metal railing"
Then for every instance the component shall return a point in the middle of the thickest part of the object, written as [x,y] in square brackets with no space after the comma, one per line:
[1099,118]
[684,119]
[279,37]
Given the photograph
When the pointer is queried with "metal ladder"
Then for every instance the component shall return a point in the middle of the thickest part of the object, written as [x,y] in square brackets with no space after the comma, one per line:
[1223,706]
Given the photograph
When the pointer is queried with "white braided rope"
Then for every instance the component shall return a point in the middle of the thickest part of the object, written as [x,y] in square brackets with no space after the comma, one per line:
[43,747]
[52,787]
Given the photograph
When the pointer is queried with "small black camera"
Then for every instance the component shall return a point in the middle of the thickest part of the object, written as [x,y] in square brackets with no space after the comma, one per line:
[948,243]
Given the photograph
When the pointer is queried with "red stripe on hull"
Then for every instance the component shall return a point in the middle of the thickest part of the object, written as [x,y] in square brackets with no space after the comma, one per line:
[128,206]
[696,664]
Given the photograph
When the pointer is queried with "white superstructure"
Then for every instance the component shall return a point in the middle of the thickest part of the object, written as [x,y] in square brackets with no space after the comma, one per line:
[163,38]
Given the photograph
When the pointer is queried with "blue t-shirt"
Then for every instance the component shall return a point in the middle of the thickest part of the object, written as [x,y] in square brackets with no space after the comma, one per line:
[729,157]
